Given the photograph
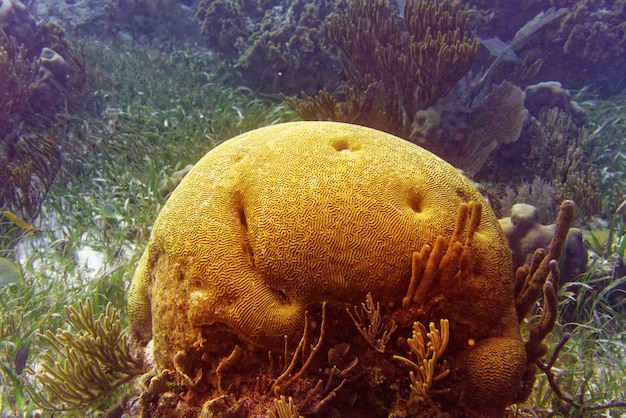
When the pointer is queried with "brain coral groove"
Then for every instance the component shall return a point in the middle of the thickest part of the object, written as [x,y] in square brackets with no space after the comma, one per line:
[277,220]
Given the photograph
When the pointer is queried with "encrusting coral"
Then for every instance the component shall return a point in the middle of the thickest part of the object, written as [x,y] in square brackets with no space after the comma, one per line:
[281,229]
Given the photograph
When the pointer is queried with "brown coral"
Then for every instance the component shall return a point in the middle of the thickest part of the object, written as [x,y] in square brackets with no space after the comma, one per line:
[277,222]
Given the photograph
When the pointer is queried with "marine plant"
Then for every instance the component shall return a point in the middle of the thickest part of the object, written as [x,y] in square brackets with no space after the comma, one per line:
[84,364]
[132,133]
[395,65]
[17,74]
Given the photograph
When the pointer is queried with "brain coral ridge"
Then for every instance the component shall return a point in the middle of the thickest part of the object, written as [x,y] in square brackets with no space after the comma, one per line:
[276,221]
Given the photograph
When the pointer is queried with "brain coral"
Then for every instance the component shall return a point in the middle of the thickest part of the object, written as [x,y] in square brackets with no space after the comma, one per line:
[272,223]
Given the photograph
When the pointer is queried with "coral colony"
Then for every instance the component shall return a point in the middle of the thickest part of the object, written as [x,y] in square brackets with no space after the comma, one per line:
[320,208]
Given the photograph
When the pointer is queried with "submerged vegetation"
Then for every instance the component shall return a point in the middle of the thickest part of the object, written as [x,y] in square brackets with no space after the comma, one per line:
[144,119]
[148,114]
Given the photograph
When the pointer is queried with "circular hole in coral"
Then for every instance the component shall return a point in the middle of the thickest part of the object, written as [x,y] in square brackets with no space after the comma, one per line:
[415,201]
[341,145]
[345,145]
[283,296]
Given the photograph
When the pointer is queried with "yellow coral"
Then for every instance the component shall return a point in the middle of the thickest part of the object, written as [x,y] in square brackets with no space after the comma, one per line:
[279,220]
[428,354]
[290,215]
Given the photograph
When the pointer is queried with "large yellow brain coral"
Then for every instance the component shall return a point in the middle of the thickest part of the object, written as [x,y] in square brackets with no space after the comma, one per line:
[275,221]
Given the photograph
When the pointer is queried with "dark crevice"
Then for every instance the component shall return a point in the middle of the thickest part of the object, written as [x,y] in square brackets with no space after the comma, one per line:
[283,296]
[241,213]
[415,201]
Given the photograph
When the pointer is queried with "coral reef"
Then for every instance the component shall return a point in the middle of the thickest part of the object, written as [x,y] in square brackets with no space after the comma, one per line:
[57,72]
[525,234]
[551,94]
[16,21]
[50,82]
[592,44]
[496,121]
[561,154]
[17,75]
[68,79]
[401,71]
[584,48]
[557,155]
[146,21]
[41,73]
[396,66]
[274,46]
[273,234]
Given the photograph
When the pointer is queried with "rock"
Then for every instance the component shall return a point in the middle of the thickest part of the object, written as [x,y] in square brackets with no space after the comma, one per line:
[550,94]
[525,234]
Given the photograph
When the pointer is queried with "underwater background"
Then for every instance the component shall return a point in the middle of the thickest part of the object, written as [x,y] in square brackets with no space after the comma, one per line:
[105,106]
